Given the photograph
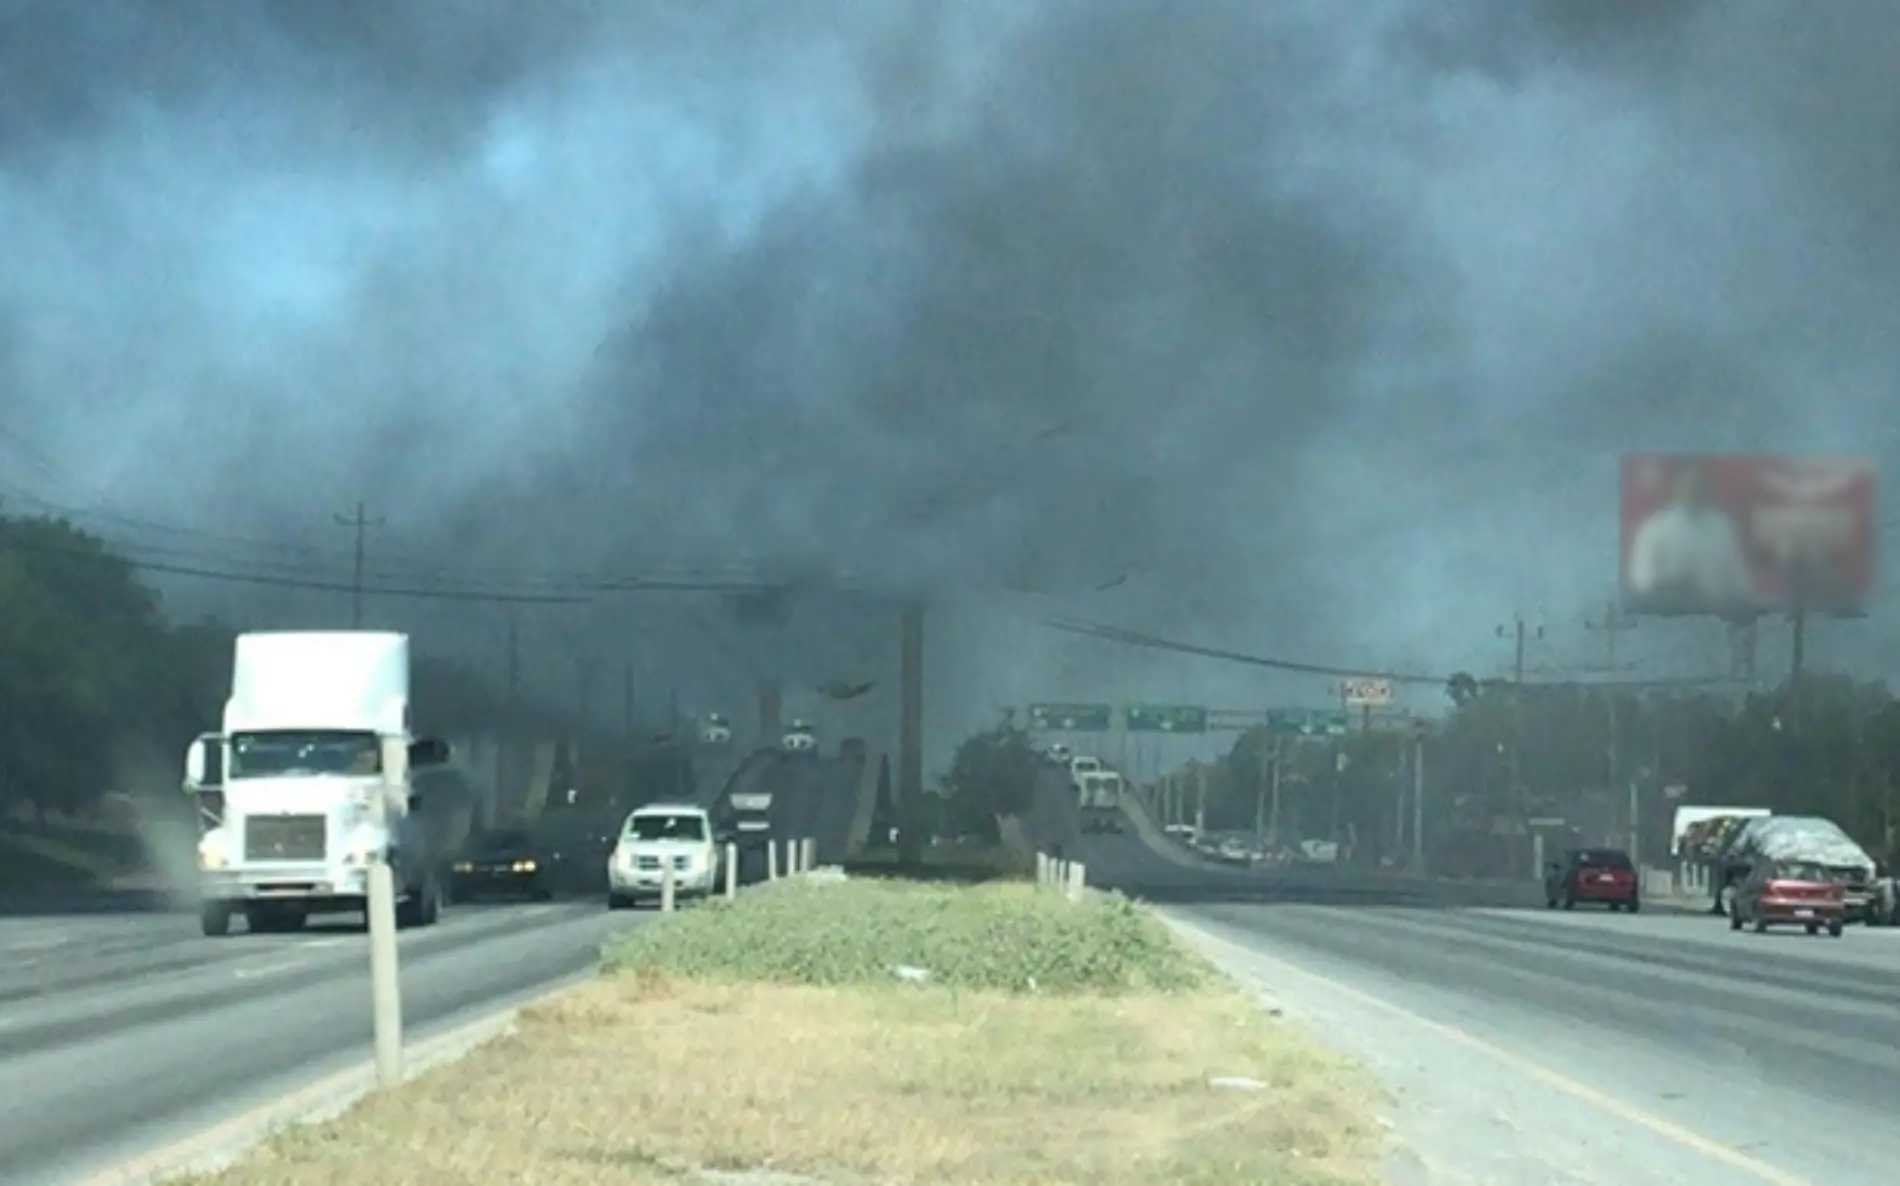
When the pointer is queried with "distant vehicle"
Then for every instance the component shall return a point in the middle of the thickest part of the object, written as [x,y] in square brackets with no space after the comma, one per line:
[800,738]
[1080,764]
[1057,755]
[715,730]
[1600,876]
[1808,840]
[1099,796]
[655,838]
[1789,893]
[505,863]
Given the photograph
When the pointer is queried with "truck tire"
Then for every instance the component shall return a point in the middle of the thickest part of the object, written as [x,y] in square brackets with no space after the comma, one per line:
[423,906]
[214,919]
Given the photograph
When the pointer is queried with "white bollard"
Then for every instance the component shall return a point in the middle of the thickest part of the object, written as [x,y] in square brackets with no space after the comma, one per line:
[385,982]
[666,887]
[1078,879]
[771,860]
[811,854]
[732,871]
[1042,870]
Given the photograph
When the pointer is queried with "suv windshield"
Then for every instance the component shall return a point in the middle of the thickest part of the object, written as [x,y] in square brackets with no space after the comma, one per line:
[667,827]
[263,755]
[510,841]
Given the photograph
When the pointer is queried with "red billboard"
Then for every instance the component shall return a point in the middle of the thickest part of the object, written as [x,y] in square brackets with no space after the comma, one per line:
[1741,534]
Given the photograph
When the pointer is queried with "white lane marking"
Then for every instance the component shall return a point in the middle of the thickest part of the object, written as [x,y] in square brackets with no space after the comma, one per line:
[270,969]
[46,944]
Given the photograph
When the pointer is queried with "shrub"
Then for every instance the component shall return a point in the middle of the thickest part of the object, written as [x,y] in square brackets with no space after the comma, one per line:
[1001,937]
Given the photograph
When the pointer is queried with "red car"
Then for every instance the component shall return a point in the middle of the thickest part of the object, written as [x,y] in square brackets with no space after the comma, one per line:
[1602,876]
[1789,894]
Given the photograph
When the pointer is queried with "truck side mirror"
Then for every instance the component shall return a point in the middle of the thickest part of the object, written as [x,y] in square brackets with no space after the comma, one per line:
[197,760]
[428,751]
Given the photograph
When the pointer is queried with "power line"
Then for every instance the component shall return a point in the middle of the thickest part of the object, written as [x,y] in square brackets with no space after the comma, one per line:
[1134,638]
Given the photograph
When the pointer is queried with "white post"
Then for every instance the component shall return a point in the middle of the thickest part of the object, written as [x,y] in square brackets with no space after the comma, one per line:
[732,870]
[1078,878]
[379,909]
[771,860]
[811,854]
[1042,869]
[666,886]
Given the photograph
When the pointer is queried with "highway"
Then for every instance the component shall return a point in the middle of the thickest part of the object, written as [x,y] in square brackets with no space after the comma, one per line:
[121,1032]
[1527,1045]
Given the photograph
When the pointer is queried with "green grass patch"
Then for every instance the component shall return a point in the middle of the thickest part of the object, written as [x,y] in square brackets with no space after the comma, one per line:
[999,937]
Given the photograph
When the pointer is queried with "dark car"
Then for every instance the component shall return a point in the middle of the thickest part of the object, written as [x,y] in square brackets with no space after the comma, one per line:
[1789,894]
[1601,876]
[502,864]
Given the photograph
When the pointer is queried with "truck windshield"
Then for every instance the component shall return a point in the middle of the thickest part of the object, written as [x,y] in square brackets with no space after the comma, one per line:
[281,754]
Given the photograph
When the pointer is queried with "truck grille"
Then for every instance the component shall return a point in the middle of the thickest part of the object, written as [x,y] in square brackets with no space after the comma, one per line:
[284,837]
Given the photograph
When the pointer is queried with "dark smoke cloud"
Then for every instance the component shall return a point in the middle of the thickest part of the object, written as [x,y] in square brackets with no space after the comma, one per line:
[1321,324]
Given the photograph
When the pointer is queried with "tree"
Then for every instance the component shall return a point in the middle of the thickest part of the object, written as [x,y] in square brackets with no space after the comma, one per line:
[81,641]
[994,773]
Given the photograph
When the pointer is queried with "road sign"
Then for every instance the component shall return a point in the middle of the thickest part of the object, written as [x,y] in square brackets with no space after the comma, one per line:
[1071,718]
[1166,718]
[1363,691]
[1307,722]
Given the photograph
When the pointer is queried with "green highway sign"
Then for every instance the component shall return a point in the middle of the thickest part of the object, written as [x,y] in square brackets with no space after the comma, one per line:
[1072,718]
[1307,722]
[1166,718]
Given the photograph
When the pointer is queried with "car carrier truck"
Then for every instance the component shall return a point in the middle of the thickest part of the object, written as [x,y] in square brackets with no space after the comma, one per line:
[318,778]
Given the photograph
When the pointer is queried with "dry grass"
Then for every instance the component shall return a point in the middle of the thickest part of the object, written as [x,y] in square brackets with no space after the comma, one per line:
[639,1079]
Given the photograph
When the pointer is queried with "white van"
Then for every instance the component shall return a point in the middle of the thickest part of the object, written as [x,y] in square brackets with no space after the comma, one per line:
[658,836]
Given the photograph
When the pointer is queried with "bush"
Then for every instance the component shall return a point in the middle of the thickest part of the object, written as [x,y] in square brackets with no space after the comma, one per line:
[1008,938]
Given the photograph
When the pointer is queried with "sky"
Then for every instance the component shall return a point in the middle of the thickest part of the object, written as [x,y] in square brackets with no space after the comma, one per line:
[1308,330]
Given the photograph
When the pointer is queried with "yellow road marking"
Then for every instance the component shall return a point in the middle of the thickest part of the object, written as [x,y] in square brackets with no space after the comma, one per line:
[1669,1130]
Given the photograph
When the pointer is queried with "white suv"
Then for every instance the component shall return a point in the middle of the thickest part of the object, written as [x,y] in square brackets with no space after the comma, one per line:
[655,837]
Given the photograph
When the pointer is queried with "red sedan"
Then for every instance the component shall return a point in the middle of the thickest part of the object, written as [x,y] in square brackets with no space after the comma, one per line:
[1600,876]
[1789,895]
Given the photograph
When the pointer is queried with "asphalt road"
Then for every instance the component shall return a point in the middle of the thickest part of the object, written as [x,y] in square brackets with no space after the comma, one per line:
[119,1033]
[1526,1045]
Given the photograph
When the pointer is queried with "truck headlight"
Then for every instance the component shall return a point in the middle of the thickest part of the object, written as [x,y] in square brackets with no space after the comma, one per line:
[365,847]
[214,850]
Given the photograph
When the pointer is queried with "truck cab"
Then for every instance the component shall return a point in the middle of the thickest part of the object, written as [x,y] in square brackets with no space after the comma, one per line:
[318,778]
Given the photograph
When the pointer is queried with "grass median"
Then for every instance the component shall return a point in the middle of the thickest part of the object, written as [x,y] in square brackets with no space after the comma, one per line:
[871,1032]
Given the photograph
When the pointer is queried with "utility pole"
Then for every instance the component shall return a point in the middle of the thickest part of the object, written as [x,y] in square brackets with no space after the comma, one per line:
[1273,789]
[361,523]
[1613,624]
[910,732]
[1520,633]
[1418,801]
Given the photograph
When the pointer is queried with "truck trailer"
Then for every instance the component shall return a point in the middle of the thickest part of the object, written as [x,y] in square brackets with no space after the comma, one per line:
[319,778]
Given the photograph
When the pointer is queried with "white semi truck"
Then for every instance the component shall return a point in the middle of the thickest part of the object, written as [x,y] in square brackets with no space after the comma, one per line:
[320,777]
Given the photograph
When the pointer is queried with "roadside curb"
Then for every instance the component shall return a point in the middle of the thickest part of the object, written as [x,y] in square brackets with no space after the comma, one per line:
[228,1141]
